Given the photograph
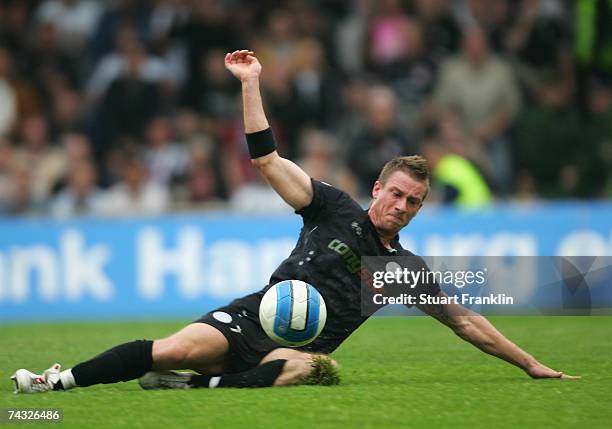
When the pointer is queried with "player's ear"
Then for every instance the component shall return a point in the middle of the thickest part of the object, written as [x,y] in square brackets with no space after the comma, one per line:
[376,189]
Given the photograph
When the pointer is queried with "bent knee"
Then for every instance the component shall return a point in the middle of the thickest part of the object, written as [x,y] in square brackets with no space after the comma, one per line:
[170,354]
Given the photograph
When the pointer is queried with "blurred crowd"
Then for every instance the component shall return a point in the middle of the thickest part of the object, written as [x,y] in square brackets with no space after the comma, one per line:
[124,107]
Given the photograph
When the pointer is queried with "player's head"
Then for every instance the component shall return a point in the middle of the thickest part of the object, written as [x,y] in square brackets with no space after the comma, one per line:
[399,192]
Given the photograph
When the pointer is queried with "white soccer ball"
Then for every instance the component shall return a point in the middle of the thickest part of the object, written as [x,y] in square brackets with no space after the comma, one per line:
[292,313]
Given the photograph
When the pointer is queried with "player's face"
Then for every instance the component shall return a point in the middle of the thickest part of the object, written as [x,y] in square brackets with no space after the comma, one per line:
[396,202]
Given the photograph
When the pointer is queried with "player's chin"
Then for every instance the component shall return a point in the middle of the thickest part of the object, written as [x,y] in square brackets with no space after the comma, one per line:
[394,224]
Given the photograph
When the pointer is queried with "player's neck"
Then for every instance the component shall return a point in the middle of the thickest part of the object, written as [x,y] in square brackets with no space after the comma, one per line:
[385,237]
[386,241]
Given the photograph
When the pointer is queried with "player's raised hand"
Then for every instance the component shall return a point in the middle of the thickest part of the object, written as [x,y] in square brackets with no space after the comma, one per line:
[243,65]
[542,371]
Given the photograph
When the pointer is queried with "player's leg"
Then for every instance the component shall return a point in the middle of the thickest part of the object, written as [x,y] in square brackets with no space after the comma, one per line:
[280,367]
[196,346]
[302,367]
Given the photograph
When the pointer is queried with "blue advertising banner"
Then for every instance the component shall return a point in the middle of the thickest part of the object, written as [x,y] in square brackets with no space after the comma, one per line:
[184,265]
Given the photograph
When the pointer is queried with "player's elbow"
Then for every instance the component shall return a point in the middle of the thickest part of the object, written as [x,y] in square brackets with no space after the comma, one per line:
[265,162]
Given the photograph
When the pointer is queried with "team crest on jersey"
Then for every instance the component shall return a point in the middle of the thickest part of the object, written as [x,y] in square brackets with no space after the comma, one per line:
[357,228]
[222,317]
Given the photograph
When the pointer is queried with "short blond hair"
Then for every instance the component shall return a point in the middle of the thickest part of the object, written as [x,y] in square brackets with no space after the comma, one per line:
[414,165]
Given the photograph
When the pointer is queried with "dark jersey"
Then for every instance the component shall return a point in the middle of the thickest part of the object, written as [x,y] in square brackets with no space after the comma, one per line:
[337,232]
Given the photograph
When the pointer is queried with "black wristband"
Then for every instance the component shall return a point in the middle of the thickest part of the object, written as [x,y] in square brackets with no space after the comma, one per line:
[261,143]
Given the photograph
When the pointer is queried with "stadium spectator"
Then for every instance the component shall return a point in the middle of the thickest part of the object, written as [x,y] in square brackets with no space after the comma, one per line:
[66,114]
[165,159]
[187,125]
[6,172]
[540,44]
[441,29]
[81,196]
[204,26]
[310,21]
[130,101]
[248,198]
[492,16]
[202,184]
[135,193]
[116,15]
[351,113]
[278,44]
[387,30]
[15,16]
[48,67]
[450,132]
[21,200]
[593,38]
[130,58]
[73,20]
[315,92]
[350,38]
[382,138]
[320,159]
[76,147]
[592,47]
[230,157]
[550,125]
[213,93]
[44,162]
[594,156]
[412,75]
[460,182]
[8,95]
[480,89]
[161,19]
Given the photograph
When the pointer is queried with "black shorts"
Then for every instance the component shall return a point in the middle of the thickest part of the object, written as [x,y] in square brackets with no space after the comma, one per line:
[248,343]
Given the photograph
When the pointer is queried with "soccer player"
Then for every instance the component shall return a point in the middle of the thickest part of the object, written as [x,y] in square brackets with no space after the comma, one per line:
[227,347]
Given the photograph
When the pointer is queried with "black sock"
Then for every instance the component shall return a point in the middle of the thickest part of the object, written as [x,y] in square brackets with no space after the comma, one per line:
[261,376]
[121,363]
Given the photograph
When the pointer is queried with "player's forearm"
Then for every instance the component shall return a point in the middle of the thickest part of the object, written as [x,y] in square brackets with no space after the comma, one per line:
[287,179]
[481,333]
[254,115]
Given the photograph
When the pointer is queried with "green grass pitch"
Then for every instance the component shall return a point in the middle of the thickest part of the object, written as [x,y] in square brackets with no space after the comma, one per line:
[396,372]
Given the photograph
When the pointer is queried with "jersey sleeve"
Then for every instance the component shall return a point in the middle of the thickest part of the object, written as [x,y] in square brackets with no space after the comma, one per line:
[418,264]
[425,287]
[325,200]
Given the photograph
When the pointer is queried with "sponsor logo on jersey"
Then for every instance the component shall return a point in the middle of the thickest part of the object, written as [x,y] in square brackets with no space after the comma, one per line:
[352,260]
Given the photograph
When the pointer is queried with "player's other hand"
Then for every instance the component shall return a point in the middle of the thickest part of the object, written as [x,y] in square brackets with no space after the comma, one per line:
[243,65]
[542,371]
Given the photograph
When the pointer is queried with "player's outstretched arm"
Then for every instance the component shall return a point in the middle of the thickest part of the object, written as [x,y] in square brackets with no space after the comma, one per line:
[287,179]
[477,330]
